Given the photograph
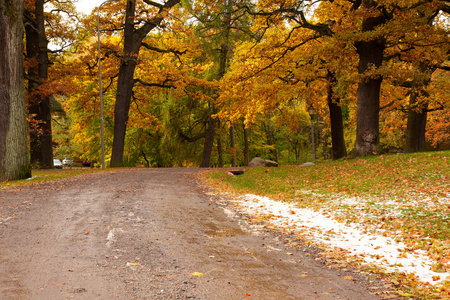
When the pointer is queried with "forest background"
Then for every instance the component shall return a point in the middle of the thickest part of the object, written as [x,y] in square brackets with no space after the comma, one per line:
[215,83]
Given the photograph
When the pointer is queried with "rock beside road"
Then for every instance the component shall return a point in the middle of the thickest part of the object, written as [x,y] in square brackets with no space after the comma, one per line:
[260,162]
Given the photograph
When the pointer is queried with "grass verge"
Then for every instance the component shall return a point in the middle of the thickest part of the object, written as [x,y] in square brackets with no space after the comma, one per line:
[47,175]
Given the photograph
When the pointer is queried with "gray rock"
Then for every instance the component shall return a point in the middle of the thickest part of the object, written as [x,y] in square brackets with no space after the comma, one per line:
[259,162]
[307,164]
[270,163]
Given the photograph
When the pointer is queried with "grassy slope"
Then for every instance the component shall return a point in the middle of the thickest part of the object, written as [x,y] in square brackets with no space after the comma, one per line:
[401,193]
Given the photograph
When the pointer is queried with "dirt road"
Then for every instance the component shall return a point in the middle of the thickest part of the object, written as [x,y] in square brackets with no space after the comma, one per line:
[142,234]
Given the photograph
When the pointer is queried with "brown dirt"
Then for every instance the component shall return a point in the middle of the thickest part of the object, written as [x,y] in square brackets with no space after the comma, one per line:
[140,234]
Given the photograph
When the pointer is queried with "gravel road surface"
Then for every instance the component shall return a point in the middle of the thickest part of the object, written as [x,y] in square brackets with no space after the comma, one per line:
[149,234]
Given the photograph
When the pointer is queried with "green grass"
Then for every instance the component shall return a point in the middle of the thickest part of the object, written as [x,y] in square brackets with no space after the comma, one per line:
[383,176]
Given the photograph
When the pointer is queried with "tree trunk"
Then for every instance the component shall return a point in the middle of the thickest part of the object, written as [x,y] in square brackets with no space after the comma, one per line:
[368,92]
[125,85]
[14,157]
[337,126]
[233,146]
[219,151]
[246,147]
[417,111]
[39,103]
[132,43]
[270,140]
[209,142]
[416,125]
[121,110]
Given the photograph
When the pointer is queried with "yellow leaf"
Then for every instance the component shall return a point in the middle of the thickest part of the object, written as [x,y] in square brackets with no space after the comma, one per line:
[197,274]
[401,293]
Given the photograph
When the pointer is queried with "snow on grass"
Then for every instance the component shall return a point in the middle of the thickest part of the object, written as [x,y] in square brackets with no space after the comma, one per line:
[376,249]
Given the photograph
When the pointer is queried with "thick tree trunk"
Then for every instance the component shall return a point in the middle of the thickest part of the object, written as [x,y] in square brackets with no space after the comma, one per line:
[368,92]
[39,104]
[416,125]
[121,110]
[14,157]
[337,126]
[417,112]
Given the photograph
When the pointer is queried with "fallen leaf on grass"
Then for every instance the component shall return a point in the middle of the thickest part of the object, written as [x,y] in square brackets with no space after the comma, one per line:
[401,293]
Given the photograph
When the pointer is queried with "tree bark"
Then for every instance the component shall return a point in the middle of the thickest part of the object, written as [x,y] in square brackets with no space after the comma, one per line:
[418,111]
[416,125]
[233,146]
[219,151]
[133,38]
[14,157]
[39,105]
[246,147]
[209,142]
[337,126]
[368,93]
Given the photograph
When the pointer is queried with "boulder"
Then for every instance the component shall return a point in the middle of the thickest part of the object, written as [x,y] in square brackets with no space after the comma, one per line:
[259,162]
[307,164]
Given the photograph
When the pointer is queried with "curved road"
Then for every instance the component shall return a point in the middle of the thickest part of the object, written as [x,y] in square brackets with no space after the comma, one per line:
[142,234]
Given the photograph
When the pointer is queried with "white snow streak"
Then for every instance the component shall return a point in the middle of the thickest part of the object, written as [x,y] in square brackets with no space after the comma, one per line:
[375,249]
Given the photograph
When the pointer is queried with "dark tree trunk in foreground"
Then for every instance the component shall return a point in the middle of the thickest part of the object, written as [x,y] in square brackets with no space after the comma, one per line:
[39,104]
[337,126]
[133,38]
[368,93]
[14,160]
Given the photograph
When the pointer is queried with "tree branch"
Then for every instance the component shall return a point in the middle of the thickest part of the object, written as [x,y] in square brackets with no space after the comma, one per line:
[161,85]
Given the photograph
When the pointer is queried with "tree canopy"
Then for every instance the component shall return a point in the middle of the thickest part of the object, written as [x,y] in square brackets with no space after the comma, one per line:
[214,82]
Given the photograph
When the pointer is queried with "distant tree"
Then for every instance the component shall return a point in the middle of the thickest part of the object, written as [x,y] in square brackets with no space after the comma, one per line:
[14,157]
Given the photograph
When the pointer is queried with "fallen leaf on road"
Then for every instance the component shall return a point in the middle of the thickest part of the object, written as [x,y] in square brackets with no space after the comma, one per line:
[348,277]
[197,274]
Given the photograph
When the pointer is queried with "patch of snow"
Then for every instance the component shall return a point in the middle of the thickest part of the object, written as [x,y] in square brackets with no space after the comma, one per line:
[375,249]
